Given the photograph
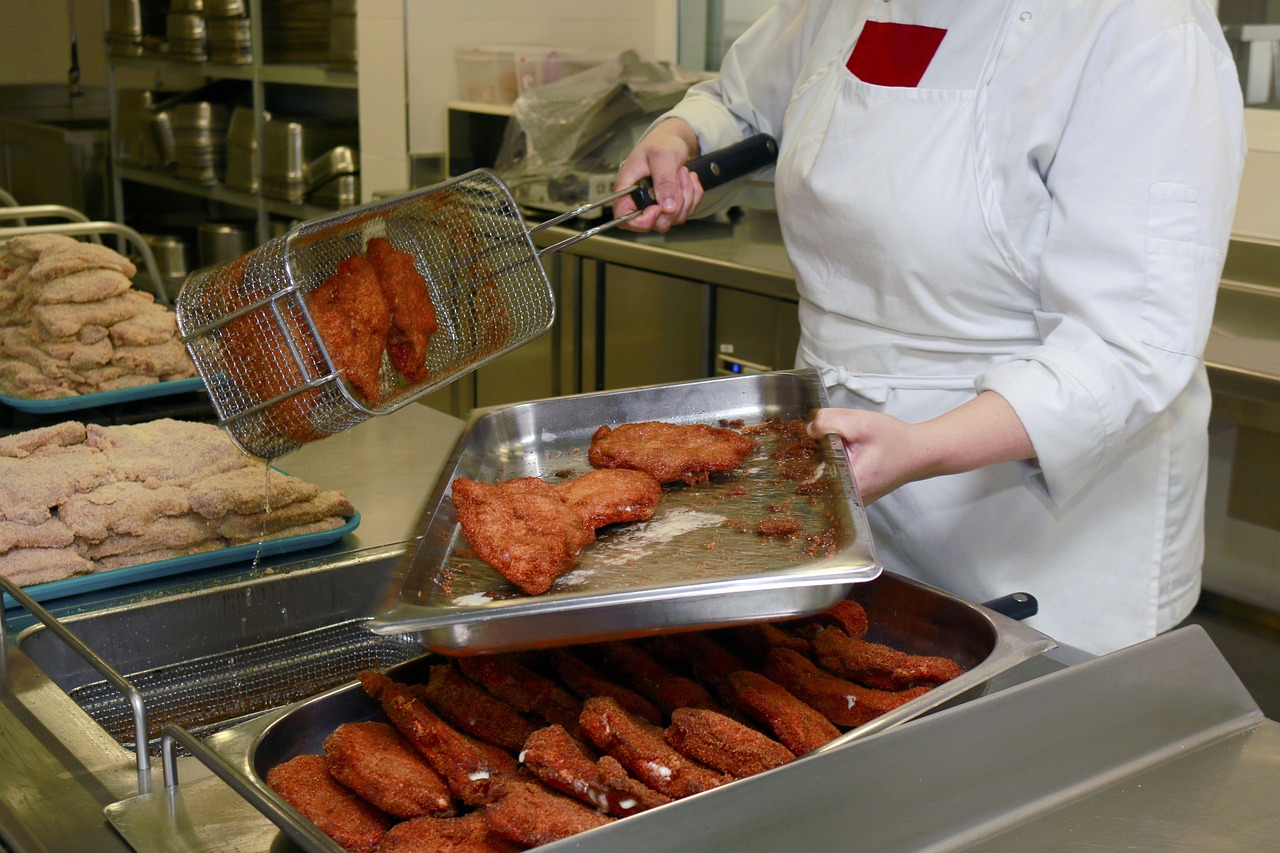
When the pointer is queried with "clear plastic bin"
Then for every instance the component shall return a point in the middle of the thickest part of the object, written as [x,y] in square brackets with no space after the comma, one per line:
[487,74]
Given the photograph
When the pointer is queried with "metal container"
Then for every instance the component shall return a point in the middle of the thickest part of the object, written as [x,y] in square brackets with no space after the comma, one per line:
[222,242]
[913,617]
[290,146]
[171,253]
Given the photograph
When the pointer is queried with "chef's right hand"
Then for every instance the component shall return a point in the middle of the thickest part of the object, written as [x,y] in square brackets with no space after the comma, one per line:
[661,156]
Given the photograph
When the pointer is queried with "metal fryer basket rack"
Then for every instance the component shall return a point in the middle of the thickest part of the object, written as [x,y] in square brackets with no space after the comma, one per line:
[242,683]
[248,329]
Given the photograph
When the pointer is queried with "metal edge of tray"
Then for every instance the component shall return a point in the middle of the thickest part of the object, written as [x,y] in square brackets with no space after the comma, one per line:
[237,749]
[482,626]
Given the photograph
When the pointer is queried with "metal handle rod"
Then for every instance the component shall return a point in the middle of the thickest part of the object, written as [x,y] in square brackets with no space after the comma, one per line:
[118,681]
[297,827]
[96,227]
[43,211]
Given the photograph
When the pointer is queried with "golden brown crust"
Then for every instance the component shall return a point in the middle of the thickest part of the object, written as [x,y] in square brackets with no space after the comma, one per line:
[531,814]
[842,702]
[413,317]
[468,834]
[521,527]
[523,689]
[670,452]
[305,783]
[471,768]
[879,666]
[641,748]
[612,496]
[353,320]
[474,710]
[724,744]
[376,762]
[641,671]
[560,762]
[800,728]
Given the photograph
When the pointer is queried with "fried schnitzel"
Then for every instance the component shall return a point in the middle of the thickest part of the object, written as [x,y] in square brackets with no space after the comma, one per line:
[611,496]
[354,320]
[670,452]
[413,317]
[521,527]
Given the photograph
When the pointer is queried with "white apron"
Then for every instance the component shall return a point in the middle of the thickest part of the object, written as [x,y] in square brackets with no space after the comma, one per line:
[910,287]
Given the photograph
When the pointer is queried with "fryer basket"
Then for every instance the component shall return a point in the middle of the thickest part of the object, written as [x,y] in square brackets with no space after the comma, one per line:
[273,383]
[248,329]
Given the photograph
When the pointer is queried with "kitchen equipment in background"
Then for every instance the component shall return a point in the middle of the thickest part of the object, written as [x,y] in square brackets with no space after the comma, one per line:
[229,37]
[338,193]
[200,141]
[295,31]
[173,260]
[135,139]
[473,247]
[569,134]
[475,133]
[243,170]
[222,242]
[754,333]
[342,35]
[186,36]
[291,146]
[124,28]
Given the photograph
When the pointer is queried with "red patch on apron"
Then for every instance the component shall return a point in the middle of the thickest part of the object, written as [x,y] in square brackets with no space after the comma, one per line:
[893,54]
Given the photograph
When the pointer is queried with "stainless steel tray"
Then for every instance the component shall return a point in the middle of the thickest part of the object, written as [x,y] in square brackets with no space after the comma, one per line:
[908,615]
[691,566]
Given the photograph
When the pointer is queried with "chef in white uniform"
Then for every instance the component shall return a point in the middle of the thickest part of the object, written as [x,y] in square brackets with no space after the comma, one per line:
[1007,220]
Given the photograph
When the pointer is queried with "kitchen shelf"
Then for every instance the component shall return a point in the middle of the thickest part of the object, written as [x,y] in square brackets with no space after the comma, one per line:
[219,193]
[301,75]
[261,76]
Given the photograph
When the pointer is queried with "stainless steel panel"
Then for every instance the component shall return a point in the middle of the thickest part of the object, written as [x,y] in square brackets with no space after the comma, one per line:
[754,333]
[636,579]
[654,328]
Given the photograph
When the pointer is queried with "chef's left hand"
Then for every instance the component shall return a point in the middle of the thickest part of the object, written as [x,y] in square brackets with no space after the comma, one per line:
[886,453]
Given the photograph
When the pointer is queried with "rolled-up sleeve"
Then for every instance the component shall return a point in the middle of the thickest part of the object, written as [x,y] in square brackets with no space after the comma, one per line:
[1143,186]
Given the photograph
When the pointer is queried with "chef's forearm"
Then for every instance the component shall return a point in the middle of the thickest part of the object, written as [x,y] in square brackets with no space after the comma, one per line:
[984,431]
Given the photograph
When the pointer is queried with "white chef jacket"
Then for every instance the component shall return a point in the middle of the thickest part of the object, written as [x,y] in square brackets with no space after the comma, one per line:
[1040,207]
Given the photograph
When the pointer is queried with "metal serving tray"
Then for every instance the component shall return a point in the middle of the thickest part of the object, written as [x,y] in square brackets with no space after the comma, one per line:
[696,564]
[913,617]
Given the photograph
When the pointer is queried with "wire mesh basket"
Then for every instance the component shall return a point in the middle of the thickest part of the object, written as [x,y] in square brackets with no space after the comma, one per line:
[211,693]
[254,340]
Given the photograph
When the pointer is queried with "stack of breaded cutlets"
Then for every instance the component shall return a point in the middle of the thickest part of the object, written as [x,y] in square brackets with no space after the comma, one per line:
[72,323]
[77,498]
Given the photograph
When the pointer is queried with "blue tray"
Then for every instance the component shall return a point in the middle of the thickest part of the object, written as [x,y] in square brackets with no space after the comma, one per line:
[44,592]
[104,398]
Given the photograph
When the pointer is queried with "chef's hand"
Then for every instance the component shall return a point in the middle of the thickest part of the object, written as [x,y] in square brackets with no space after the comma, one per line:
[661,156]
[886,453]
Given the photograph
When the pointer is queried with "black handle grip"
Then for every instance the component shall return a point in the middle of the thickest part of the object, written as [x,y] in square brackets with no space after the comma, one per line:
[720,166]
[1015,605]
